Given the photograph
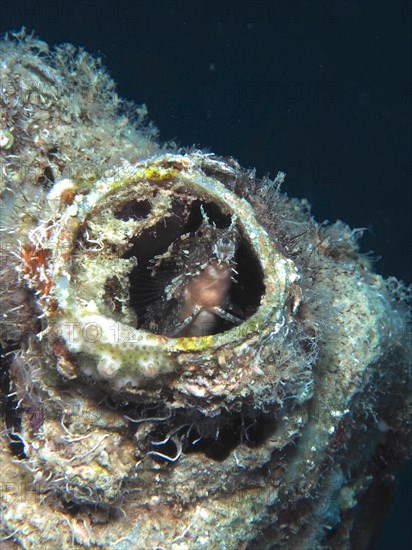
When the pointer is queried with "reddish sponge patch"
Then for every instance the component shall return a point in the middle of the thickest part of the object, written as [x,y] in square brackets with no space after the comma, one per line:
[35,261]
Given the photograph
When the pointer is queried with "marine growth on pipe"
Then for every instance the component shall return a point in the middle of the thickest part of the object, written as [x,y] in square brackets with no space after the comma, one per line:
[190,360]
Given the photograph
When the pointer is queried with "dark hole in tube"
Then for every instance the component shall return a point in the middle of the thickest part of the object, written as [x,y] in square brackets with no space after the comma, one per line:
[136,210]
[246,289]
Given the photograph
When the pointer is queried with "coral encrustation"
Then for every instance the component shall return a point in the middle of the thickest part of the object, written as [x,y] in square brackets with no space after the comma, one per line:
[190,359]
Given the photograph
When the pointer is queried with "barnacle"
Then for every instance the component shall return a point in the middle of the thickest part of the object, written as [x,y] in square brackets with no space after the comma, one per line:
[181,339]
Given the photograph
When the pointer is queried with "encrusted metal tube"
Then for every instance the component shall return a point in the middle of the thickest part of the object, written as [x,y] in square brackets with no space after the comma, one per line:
[190,359]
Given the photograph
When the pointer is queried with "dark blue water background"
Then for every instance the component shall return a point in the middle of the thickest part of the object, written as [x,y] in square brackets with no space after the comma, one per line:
[320,90]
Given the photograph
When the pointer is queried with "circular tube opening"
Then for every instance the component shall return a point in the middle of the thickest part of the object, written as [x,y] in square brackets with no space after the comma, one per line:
[196,275]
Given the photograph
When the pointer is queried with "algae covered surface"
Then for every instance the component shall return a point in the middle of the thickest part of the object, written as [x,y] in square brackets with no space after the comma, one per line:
[190,360]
